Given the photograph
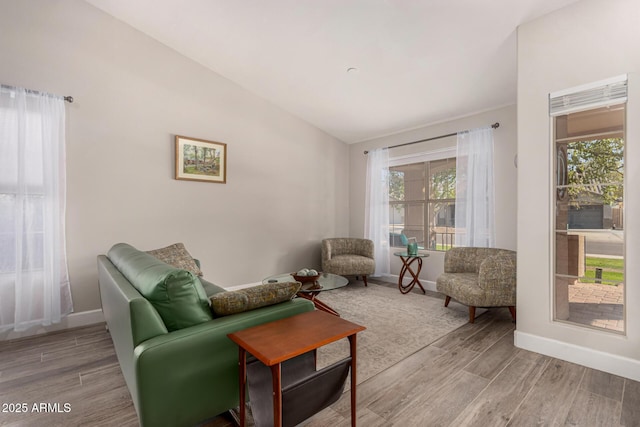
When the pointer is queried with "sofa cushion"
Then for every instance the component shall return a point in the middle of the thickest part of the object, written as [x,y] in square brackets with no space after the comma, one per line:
[177,256]
[177,295]
[225,303]
[350,265]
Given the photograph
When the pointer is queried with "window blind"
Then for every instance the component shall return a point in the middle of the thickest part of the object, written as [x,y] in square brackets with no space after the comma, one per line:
[594,95]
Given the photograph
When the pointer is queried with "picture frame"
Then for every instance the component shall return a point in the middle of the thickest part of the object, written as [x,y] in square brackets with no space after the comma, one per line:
[201,160]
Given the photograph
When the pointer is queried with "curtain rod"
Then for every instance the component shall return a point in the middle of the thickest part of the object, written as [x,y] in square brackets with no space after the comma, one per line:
[495,126]
[68,99]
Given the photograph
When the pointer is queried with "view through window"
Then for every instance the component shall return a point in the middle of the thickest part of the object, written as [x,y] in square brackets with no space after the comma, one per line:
[422,199]
[589,217]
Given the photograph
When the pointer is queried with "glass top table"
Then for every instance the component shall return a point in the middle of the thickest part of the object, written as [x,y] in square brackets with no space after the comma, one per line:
[406,254]
[407,260]
[309,290]
[325,282]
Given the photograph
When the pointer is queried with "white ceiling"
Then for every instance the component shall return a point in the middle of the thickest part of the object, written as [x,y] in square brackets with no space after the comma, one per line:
[418,61]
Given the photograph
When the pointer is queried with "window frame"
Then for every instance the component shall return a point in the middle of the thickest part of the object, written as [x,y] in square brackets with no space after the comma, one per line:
[425,158]
[561,187]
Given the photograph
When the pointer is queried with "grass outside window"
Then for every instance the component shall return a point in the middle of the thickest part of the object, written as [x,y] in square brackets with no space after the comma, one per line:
[612,270]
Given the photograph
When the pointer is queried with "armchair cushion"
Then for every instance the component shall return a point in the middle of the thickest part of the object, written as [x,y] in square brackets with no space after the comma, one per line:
[232,302]
[349,264]
[177,295]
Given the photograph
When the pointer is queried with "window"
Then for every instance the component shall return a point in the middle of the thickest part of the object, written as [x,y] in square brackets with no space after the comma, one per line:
[589,274]
[422,199]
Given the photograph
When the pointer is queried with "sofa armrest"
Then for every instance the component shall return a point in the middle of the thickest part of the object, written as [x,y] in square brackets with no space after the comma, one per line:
[326,250]
[210,288]
[196,369]
[131,318]
[366,248]
[498,277]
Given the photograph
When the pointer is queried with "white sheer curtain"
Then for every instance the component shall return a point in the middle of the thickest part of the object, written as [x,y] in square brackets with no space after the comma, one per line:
[34,283]
[475,223]
[376,225]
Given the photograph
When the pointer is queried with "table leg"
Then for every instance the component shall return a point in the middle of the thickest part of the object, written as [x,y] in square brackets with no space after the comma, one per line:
[277,394]
[242,358]
[352,345]
[416,276]
[406,266]
[403,270]
[317,303]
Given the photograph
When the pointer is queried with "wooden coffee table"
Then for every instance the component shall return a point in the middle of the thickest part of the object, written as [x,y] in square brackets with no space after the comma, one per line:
[275,342]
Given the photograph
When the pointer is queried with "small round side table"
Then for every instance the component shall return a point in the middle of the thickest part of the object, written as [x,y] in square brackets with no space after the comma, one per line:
[407,261]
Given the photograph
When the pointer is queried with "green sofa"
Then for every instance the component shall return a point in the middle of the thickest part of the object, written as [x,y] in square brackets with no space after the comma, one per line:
[182,377]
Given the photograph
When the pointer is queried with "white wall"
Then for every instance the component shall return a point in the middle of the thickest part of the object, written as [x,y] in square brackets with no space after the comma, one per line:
[588,41]
[286,180]
[505,176]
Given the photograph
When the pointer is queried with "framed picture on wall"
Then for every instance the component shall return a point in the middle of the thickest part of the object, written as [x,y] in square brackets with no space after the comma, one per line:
[201,160]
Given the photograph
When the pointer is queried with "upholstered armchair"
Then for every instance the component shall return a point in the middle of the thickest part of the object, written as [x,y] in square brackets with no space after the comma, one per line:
[348,256]
[479,277]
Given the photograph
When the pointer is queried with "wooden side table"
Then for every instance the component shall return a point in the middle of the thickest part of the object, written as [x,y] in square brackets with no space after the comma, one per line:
[275,342]
[407,261]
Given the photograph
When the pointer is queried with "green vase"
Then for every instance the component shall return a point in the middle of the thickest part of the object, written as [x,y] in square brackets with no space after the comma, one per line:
[412,249]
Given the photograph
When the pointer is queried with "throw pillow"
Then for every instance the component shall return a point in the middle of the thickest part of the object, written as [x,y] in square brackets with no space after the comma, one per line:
[177,256]
[232,302]
[177,295]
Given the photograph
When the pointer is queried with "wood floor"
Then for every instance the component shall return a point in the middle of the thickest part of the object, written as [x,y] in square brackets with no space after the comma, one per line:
[473,376]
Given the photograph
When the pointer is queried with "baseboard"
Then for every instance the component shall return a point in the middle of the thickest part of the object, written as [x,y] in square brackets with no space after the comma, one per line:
[607,362]
[74,320]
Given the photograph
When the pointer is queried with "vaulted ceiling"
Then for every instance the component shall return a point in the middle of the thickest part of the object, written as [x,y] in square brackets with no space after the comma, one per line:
[357,69]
